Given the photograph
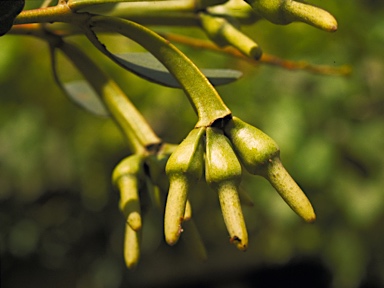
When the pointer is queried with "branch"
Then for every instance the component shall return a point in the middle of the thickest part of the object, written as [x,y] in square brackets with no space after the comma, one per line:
[265,58]
[202,95]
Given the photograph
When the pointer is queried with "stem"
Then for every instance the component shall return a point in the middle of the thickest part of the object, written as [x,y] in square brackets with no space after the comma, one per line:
[153,15]
[267,59]
[138,132]
[169,13]
[158,5]
[202,95]
[58,13]
[161,12]
[46,3]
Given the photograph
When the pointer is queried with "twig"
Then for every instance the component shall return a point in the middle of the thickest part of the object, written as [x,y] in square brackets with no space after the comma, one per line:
[265,58]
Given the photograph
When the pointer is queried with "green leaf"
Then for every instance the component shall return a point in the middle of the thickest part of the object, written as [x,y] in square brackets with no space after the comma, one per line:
[82,94]
[148,67]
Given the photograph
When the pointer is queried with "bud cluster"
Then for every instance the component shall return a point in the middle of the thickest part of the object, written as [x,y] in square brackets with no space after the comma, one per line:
[215,153]
[220,153]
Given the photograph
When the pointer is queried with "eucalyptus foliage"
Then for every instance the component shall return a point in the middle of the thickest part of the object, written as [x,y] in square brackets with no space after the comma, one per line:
[217,144]
[218,149]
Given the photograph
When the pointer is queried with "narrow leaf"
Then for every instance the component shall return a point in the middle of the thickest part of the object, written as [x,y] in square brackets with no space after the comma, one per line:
[82,94]
[148,67]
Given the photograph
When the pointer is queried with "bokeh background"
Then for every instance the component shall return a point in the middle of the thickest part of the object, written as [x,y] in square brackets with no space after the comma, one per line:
[60,225]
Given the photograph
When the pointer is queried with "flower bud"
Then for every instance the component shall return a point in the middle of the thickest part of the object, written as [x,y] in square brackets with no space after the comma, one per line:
[288,189]
[287,11]
[223,174]
[184,168]
[253,146]
[131,247]
[260,155]
[224,33]
[126,177]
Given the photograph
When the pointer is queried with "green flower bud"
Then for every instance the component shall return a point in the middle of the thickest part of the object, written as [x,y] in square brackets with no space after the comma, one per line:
[131,247]
[253,146]
[260,155]
[288,189]
[287,11]
[126,176]
[184,168]
[223,174]
[224,33]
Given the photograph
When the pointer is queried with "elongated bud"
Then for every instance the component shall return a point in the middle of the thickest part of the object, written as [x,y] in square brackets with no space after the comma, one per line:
[224,33]
[287,11]
[260,155]
[223,174]
[184,168]
[131,247]
[253,146]
[126,177]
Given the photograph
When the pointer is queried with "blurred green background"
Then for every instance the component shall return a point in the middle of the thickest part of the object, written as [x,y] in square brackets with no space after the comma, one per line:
[59,220]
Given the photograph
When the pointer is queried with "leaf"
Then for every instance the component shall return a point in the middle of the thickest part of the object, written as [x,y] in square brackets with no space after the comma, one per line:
[148,67]
[79,91]
[82,94]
